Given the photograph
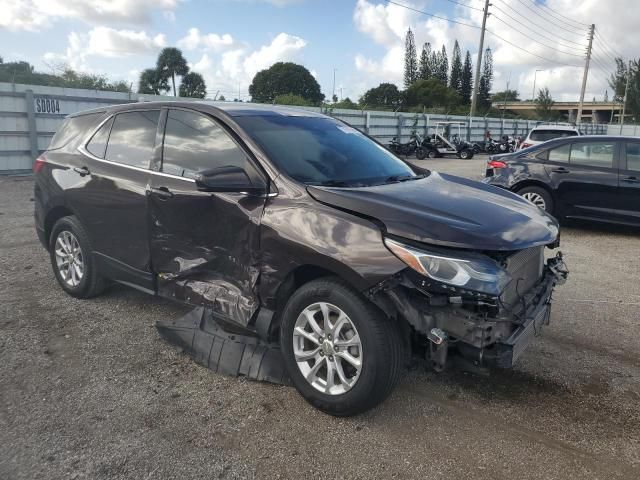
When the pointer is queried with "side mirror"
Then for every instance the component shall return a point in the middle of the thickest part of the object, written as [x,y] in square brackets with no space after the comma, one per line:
[226,179]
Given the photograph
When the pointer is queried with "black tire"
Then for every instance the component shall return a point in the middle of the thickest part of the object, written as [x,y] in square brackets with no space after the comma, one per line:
[540,192]
[465,154]
[432,153]
[91,283]
[382,348]
[421,154]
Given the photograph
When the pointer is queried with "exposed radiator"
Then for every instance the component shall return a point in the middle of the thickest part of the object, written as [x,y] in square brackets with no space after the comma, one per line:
[525,268]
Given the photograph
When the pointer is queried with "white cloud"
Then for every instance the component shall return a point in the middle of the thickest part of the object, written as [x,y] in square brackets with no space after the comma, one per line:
[386,25]
[105,42]
[37,14]
[194,39]
[237,66]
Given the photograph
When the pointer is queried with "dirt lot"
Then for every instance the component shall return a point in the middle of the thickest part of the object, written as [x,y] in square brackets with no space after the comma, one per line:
[88,389]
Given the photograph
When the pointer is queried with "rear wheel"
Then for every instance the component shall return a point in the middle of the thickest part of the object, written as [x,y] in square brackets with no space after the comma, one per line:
[432,153]
[538,196]
[421,154]
[343,355]
[465,154]
[72,259]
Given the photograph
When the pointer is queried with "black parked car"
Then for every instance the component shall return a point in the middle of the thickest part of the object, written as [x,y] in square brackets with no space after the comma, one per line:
[298,229]
[587,177]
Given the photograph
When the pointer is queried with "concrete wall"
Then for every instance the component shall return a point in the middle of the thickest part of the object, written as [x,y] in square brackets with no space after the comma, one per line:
[30,115]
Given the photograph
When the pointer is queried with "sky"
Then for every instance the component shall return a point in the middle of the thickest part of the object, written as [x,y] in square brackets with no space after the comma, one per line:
[360,41]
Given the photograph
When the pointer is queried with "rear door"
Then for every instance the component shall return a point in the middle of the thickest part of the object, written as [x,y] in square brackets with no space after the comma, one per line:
[584,175]
[113,202]
[630,182]
[204,246]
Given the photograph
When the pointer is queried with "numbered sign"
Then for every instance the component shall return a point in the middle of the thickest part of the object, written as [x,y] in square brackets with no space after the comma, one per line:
[47,105]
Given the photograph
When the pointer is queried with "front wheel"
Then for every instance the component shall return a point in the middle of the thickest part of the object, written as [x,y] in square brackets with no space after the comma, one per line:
[421,154]
[343,355]
[432,153]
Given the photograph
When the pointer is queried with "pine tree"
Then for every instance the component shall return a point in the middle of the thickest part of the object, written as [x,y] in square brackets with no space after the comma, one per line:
[410,60]
[455,80]
[433,63]
[606,95]
[442,72]
[425,62]
[486,80]
[466,83]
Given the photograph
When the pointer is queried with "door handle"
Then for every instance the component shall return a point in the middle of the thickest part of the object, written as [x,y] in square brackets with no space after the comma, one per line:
[560,170]
[82,171]
[631,179]
[162,192]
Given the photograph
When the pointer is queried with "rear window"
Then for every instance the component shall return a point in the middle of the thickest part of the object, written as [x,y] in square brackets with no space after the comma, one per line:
[132,138]
[72,128]
[544,135]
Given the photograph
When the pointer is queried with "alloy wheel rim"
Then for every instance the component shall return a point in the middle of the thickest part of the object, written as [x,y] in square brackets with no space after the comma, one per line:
[536,199]
[327,348]
[69,258]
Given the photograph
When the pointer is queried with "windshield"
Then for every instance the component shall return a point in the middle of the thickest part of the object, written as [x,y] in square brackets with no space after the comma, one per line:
[544,135]
[323,151]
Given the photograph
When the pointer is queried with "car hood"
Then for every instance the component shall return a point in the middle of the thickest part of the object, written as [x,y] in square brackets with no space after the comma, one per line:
[447,210]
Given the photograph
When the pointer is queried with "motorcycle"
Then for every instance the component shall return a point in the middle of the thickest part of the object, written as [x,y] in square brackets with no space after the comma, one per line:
[406,149]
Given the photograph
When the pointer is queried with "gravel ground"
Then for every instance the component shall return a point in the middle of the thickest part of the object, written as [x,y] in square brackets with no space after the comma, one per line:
[89,390]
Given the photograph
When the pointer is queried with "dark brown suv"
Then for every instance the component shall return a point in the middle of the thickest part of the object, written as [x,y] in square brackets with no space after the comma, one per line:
[299,232]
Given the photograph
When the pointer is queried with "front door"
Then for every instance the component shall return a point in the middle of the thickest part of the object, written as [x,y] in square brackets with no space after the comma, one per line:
[584,175]
[205,247]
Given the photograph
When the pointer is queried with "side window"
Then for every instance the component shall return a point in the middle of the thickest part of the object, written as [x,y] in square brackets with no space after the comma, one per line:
[633,156]
[132,138]
[194,142]
[98,143]
[560,154]
[594,154]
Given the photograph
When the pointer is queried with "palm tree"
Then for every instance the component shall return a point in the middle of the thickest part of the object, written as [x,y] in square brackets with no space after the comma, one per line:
[193,86]
[171,63]
[152,83]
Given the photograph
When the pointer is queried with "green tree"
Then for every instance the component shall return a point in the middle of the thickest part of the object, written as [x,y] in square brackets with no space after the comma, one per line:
[618,80]
[282,78]
[455,80]
[222,99]
[385,95]
[410,59]
[431,93]
[291,99]
[442,69]
[506,96]
[170,63]
[193,86]
[466,82]
[544,102]
[152,83]
[486,81]
[424,69]
[347,103]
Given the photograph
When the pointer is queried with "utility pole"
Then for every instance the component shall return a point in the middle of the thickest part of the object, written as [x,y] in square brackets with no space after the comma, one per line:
[334,84]
[476,83]
[533,93]
[592,29]
[624,101]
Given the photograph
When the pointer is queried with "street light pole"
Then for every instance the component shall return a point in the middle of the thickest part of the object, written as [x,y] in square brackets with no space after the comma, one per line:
[334,84]
[533,93]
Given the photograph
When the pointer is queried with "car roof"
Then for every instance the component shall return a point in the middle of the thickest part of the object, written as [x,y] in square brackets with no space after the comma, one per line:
[555,127]
[233,109]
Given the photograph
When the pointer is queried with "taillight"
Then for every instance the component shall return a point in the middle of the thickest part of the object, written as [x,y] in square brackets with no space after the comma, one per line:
[39,165]
[497,164]
[526,145]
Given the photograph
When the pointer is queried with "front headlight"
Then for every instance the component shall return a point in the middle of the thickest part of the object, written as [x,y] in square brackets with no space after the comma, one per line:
[471,271]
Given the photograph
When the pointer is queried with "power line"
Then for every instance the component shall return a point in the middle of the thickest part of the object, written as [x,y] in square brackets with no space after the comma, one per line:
[531,53]
[555,34]
[465,5]
[563,25]
[532,38]
[544,5]
[432,15]
[606,45]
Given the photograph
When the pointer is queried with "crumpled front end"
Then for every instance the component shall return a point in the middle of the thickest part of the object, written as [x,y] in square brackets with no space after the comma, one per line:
[481,329]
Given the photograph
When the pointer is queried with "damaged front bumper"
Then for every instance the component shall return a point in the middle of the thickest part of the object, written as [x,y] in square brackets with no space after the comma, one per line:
[487,332]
